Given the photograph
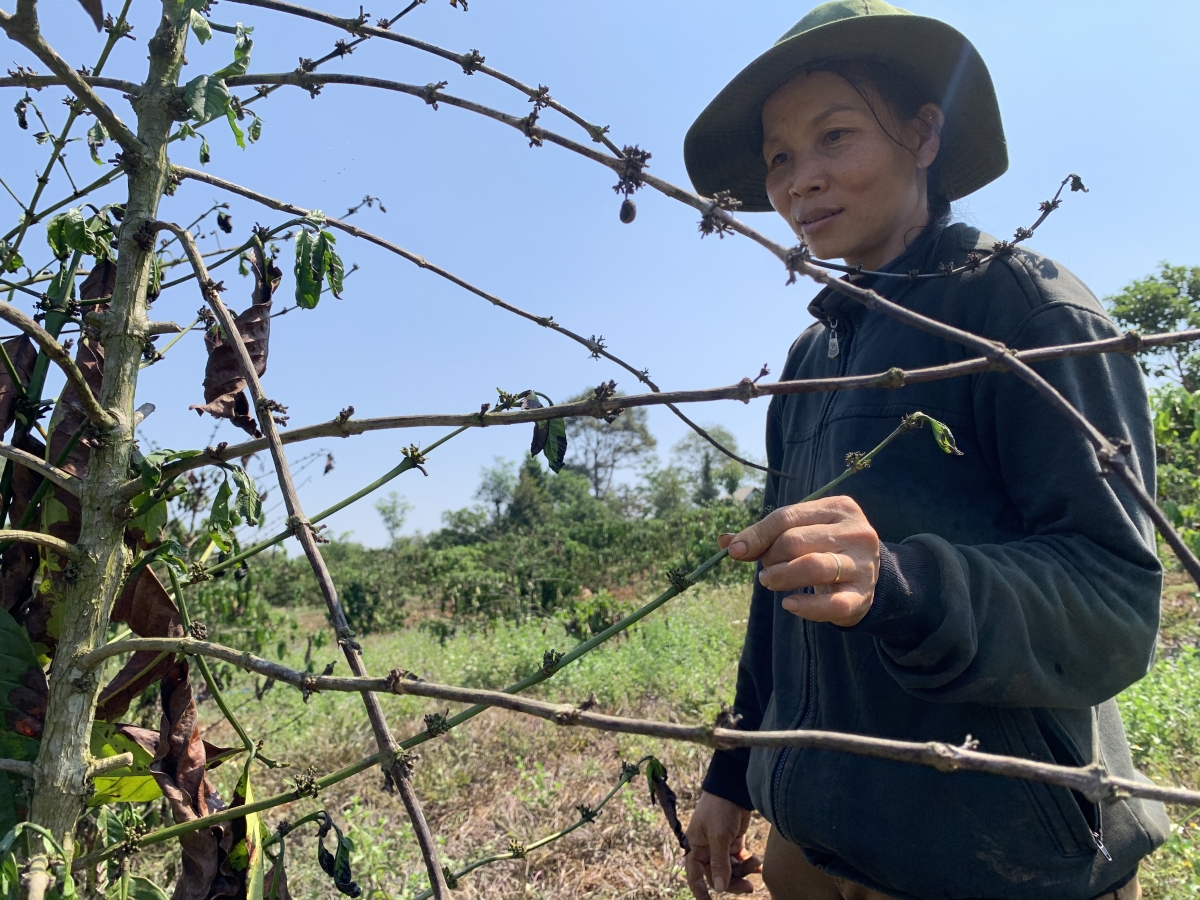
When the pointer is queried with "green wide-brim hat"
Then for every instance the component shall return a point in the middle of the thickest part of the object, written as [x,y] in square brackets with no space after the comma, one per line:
[723,148]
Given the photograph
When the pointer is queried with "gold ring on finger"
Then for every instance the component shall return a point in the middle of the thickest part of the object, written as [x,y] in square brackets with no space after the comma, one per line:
[837,559]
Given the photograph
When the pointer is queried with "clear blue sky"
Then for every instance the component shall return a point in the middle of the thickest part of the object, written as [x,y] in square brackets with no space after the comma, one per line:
[1103,89]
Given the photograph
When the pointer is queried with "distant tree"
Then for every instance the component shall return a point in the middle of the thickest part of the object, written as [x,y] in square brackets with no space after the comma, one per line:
[1168,301]
[496,485]
[708,470]
[530,504]
[597,449]
[393,509]
[666,491]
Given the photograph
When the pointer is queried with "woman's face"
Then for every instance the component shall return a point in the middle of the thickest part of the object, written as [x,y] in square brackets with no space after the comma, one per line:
[844,186]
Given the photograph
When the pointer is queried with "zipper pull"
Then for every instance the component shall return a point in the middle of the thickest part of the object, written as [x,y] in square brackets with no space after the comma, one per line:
[1100,844]
[834,349]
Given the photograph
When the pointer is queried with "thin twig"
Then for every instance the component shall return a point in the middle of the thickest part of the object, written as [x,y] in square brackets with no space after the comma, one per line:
[397,766]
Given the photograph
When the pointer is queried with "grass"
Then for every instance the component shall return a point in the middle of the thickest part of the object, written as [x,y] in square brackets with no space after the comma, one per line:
[501,777]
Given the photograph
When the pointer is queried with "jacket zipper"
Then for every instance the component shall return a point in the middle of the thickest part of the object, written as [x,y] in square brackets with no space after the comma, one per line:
[809,686]
[1098,834]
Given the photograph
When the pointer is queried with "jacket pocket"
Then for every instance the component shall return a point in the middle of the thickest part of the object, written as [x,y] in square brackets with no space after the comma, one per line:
[1070,819]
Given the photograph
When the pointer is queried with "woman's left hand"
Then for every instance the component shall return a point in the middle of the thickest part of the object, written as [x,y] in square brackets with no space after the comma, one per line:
[826,544]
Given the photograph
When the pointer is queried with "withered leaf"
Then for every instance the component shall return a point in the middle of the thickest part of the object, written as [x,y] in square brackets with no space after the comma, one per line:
[19,562]
[148,609]
[541,430]
[224,383]
[269,889]
[178,767]
[23,353]
[95,9]
[100,281]
[662,795]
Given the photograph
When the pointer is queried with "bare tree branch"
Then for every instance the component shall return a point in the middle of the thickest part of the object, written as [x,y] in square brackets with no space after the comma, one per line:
[56,352]
[397,764]
[57,476]
[22,27]
[1093,782]
[19,767]
[70,551]
[470,62]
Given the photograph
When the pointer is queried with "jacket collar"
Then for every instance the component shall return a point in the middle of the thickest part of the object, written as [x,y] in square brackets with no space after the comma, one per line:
[829,305]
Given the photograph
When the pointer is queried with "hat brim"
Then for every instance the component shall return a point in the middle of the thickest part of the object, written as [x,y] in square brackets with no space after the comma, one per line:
[723,148]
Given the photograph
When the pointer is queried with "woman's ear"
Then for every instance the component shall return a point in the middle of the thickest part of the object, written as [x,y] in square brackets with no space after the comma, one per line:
[930,120]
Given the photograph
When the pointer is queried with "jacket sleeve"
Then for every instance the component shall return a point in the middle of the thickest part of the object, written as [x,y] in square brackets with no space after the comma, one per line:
[726,776]
[1067,617]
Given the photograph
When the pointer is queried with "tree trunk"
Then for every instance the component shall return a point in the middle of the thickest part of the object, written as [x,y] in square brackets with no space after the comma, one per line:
[61,786]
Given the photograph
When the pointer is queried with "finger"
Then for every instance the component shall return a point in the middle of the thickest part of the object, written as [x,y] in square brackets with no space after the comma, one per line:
[724,540]
[810,570]
[752,542]
[845,608]
[805,539]
[696,877]
[720,861]
[740,886]
[748,866]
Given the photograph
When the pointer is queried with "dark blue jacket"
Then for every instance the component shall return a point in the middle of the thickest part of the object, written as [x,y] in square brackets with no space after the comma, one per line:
[1018,594]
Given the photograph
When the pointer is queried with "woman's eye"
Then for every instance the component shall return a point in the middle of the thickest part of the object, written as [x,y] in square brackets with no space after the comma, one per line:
[778,159]
[834,136]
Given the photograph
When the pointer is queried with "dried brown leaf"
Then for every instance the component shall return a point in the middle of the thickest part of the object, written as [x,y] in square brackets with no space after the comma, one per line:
[100,282]
[150,612]
[224,384]
[95,9]
[22,352]
[178,767]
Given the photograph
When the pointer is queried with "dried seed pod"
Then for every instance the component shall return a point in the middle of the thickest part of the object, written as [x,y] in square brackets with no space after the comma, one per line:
[628,210]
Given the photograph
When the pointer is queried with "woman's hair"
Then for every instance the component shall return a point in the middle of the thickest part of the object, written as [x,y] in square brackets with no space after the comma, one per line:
[905,92]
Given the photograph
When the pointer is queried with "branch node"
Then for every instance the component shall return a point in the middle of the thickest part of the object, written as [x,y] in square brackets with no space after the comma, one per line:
[679,579]
[797,258]
[633,161]
[431,91]
[550,661]
[471,62]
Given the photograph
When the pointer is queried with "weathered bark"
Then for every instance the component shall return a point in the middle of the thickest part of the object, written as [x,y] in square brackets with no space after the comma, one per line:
[63,762]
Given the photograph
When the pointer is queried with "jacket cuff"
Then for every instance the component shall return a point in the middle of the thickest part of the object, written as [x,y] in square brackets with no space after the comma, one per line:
[726,777]
[907,606]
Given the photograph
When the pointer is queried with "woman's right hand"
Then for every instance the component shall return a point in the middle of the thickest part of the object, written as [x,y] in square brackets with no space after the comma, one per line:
[717,835]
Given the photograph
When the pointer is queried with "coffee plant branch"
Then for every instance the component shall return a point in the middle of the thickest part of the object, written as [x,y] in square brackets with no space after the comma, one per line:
[22,27]
[96,413]
[398,765]
[55,475]
[1094,782]
[744,391]
[30,215]
[470,62]
[594,345]
[587,815]
[70,551]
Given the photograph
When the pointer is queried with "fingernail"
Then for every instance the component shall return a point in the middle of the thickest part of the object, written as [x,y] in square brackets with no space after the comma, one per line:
[738,549]
[718,882]
[791,604]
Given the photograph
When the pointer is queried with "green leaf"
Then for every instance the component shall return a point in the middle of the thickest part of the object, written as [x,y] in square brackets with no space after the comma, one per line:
[248,505]
[247,853]
[54,511]
[337,864]
[15,263]
[308,281]
[242,46]
[200,27]
[96,136]
[66,232]
[254,132]
[334,267]
[944,438]
[556,445]
[205,152]
[132,784]
[194,94]
[151,521]
[238,137]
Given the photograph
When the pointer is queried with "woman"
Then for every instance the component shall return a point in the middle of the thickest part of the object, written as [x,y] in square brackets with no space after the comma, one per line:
[1001,597]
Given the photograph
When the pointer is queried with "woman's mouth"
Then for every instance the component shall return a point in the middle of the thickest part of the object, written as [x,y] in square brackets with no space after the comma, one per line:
[818,220]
